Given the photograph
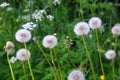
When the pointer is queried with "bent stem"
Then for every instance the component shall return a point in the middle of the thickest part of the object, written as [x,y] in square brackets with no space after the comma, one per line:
[58,65]
[69,57]
[89,58]
[51,55]
[46,59]
[100,53]
[29,63]
[10,67]
[23,66]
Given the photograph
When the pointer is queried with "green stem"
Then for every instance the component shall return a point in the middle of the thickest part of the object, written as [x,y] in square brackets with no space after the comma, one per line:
[10,67]
[46,58]
[100,54]
[113,59]
[51,55]
[87,52]
[58,65]
[23,66]
[29,63]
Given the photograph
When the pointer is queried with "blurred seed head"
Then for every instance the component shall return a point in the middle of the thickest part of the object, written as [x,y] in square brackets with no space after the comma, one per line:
[9,47]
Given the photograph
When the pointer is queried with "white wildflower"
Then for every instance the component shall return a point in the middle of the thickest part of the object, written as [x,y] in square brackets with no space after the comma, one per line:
[23,54]
[110,54]
[49,41]
[116,29]
[50,17]
[9,9]
[13,59]
[29,25]
[38,15]
[4,4]
[95,22]
[81,28]
[76,75]
[27,17]
[55,2]
[9,47]
[23,35]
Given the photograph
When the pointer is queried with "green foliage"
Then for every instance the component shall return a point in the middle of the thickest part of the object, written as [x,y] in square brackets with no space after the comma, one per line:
[66,15]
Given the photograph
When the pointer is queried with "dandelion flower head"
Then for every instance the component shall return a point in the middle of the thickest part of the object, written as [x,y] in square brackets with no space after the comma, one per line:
[76,75]
[23,35]
[23,54]
[110,54]
[95,22]
[116,29]
[81,28]
[49,41]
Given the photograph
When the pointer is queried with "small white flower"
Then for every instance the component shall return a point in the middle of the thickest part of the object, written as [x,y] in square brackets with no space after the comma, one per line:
[50,17]
[9,9]
[95,22]
[4,4]
[23,35]
[38,15]
[29,25]
[110,54]
[55,2]
[23,54]
[116,29]
[81,28]
[49,41]
[9,47]
[13,59]
[76,75]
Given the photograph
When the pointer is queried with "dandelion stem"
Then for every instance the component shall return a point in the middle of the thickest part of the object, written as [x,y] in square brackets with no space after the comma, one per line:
[87,52]
[100,53]
[51,55]
[113,59]
[23,66]
[29,63]
[58,65]
[10,67]
[46,58]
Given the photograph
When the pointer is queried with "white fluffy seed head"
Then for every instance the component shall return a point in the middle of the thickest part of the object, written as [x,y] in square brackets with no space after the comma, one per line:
[116,29]
[23,35]
[76,75]
[95,22]
[49,41]
[23,54]
[81,28]
[110,54]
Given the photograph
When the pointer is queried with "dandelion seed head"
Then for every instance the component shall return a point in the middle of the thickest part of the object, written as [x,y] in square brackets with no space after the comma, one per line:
[110,54]
[23,54]
[9,47]
[49,41]
[81,28]
[23,35]
[95,22]
[116,29]
[76,75]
